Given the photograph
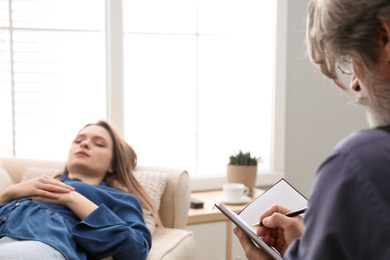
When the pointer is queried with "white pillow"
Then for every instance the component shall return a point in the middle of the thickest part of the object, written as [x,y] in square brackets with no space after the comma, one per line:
[5,179]
[34,172]
[153,182]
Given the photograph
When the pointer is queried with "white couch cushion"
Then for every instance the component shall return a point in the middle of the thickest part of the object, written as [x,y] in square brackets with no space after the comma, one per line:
[154,183]
[165,240]
[34,172]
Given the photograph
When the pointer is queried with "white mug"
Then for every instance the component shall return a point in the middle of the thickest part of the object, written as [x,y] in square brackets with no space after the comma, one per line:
[235,191]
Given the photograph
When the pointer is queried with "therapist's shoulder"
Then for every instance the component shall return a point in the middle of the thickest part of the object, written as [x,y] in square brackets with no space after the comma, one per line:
[362,151]
[367,139]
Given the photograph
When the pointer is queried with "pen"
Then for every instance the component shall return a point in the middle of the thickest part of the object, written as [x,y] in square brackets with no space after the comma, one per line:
[291,214]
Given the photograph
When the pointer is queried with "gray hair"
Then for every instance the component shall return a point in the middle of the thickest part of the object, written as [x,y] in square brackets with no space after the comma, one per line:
[344,28]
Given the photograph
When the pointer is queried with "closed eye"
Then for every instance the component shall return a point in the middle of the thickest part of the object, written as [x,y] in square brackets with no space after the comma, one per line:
[100,142]
[78,140]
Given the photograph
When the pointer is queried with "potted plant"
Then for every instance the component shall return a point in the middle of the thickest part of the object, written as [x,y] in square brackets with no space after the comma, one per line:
[242,168]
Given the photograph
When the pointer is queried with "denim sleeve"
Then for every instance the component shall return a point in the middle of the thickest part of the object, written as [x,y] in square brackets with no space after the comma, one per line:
[105,234]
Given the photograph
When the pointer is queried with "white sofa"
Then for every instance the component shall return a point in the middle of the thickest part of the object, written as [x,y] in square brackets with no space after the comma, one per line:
[171,242]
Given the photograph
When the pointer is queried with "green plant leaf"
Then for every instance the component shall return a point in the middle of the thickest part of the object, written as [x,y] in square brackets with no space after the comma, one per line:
[243,159]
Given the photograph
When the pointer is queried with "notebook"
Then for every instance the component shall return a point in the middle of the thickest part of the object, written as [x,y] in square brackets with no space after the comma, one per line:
[281,193]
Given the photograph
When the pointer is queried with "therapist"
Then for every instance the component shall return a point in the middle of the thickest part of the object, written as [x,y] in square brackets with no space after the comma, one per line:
[349,206]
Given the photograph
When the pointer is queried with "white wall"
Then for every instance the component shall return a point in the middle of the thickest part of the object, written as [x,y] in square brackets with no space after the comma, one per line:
[317,114]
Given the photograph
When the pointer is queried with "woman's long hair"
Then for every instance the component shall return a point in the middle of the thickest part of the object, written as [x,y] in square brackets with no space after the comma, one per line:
[124,160]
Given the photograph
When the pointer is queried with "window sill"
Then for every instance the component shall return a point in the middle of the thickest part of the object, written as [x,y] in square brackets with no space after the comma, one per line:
[215,183]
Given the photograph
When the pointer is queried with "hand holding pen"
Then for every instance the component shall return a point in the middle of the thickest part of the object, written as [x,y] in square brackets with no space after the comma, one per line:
[287,228]
[291,214]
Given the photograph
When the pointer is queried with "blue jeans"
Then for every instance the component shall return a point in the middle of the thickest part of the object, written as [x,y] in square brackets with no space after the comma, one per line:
[16,249]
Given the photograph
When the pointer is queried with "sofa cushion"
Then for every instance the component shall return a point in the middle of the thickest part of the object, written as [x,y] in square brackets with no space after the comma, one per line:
[171,243]
[34,172]
[5,179]
[153,182]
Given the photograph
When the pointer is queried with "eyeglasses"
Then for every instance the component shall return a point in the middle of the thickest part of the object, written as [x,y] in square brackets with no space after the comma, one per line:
[345,66]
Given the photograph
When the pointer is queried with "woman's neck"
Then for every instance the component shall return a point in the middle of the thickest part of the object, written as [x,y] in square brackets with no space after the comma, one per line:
[93,180]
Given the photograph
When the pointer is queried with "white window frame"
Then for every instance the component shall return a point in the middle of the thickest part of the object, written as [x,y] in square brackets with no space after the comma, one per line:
[115,74]
[115,85]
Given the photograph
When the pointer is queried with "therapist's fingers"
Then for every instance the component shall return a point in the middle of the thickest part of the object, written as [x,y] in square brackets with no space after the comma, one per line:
[251,251]
[292,228]
[278,220]
[267,234]
[274,209]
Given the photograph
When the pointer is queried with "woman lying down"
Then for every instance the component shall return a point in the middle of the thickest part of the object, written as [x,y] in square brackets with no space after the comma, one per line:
[91,212]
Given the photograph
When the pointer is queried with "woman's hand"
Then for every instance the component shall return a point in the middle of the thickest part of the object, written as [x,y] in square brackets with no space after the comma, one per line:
[75,201]
[280,231]
[43,186]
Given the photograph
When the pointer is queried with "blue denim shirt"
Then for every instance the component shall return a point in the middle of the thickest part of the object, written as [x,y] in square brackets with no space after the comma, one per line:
[349,207]
[117,228]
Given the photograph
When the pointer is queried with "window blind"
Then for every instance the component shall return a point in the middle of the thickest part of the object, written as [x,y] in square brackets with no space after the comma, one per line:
[53,63]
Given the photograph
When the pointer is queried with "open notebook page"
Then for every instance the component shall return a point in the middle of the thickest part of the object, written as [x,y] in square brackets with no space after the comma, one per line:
[249,226]
[281,193]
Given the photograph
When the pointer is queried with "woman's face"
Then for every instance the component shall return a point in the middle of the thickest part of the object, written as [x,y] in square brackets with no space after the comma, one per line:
[91,152]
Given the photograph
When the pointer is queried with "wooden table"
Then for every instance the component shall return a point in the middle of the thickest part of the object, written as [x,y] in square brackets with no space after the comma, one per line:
[209,213]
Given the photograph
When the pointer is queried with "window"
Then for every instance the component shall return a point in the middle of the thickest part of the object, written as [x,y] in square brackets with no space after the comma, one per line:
[199,81]
[52,74]
[195,84]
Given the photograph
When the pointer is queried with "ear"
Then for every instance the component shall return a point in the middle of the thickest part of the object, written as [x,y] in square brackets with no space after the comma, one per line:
[111,169]
[384,37]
